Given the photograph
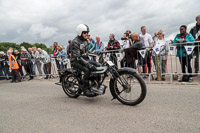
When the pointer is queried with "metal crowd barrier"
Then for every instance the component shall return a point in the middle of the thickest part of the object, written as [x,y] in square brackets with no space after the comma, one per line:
[7,73]
[173,65]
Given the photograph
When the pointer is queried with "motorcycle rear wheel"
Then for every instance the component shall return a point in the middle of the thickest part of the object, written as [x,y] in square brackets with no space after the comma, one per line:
[70,86]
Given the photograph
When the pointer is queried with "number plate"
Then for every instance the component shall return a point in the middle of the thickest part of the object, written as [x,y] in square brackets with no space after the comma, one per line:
[110,63]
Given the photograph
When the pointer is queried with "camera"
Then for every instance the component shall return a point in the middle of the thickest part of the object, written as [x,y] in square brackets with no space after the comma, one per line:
[125,38]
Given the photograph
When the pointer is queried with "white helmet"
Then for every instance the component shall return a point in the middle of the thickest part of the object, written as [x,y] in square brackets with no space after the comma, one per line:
[80,28]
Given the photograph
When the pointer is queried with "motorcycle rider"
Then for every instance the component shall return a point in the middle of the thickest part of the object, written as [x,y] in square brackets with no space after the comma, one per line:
[79,62]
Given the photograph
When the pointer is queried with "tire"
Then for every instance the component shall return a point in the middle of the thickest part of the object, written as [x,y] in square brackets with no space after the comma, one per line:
[67,87]
[115,88]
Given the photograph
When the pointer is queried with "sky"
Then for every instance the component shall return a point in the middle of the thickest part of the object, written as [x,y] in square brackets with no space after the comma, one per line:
[47,21]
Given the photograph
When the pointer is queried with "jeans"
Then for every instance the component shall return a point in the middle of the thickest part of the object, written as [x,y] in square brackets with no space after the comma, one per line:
[29,69]
[163,66]
[58,64]
[185,62]
[62,66]
[7,72]
[34,73]
[2,73]
[47,69]
[38,64]
[147,61]
[196,62]
[20,70]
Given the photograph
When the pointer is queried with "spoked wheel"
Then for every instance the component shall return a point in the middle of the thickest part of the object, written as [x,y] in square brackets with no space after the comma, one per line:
[129,88]
[70,86]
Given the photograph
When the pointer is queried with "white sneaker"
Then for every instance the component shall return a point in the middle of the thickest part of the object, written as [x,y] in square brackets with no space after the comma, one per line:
[40,77]
[190,79]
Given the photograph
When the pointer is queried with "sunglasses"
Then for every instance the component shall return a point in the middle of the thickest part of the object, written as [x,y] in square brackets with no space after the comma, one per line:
[85,32]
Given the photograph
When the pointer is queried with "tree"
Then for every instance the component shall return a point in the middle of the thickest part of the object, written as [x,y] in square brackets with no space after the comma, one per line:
[2,48]
[49,50]
[40,45]
[26,45]
[5,45]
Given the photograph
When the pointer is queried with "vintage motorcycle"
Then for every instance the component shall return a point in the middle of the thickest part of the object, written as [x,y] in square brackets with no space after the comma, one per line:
[125,84]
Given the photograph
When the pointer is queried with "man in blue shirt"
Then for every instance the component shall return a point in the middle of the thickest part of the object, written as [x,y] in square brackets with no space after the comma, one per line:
[99,46]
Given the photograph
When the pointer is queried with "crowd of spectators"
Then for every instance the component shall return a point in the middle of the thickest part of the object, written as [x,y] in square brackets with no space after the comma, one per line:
[14,63]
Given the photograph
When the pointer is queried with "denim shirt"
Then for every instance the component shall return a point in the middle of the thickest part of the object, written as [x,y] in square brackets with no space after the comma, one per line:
[62,54]
[97,47]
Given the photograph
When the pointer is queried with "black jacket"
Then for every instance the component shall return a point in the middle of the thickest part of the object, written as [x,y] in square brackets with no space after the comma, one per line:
[3,61]
[75,48]
[113,43]
[195,30]
[25,62]
[17,56]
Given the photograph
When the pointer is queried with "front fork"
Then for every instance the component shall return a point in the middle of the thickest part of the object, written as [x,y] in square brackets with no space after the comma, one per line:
[121,81]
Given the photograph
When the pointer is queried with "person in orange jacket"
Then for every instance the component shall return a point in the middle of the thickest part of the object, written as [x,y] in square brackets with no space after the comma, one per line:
[14,67]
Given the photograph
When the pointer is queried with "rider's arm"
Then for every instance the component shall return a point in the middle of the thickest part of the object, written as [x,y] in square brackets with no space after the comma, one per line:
[87,64]
[75,49]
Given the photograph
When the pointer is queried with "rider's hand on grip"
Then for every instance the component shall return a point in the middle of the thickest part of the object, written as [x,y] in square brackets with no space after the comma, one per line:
[92,67]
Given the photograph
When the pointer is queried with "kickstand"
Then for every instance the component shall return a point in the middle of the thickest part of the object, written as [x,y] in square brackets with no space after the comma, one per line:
[113,98]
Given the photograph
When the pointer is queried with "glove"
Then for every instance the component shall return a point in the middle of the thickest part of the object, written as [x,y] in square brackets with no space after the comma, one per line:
[92,67]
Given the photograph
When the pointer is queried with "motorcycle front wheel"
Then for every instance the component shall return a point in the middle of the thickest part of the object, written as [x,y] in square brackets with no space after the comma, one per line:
[128,88]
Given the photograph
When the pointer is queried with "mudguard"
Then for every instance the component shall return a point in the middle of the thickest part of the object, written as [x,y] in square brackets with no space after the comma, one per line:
[64,72]
[126,69]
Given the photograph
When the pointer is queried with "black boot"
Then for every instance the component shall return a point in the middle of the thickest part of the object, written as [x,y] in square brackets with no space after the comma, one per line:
[89,93]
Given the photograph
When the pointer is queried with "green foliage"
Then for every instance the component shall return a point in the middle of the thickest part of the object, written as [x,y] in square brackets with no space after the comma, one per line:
[40,45]
[26,45]
[7,44]
[2,48]
[4,45]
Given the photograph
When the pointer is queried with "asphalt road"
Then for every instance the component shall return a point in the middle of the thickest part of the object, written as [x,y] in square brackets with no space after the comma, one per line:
[42,107]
